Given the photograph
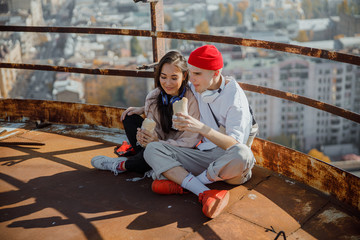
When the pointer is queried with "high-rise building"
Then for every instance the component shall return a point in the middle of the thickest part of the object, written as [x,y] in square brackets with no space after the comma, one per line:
[305,127]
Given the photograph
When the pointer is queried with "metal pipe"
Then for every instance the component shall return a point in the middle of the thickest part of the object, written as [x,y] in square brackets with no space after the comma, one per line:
[145,1]
[302,100]
[282,47]
[147,74]
[155,33]
[82,30]
[157,24]
[95,71]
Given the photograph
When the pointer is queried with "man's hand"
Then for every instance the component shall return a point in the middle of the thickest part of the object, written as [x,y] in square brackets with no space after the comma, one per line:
[144,137]
[131,111]
[187,123]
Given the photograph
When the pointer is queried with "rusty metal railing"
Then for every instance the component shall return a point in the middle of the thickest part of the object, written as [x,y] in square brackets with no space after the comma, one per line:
[282,47]
[158,35]
[306,51]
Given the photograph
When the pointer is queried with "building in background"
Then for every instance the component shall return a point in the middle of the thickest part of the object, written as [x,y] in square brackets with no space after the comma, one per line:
[303,127]
[68,89]
[25,13]
[9,52]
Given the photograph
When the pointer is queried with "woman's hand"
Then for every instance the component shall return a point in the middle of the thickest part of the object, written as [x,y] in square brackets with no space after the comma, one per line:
[132,110]
[187,123]
[144,137]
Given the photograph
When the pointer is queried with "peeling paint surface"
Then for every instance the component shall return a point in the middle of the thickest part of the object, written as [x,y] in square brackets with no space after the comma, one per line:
[9,129]
[332,216]
[110,135]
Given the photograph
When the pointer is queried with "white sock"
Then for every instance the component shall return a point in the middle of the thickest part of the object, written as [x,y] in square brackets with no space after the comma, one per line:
[203,178]
[192,184]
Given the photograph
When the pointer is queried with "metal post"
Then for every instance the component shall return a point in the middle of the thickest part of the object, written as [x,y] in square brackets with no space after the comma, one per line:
[157,24]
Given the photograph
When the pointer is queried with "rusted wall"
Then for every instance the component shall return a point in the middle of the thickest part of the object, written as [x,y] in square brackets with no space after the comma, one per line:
[14,110]
[308,170]
[288,162]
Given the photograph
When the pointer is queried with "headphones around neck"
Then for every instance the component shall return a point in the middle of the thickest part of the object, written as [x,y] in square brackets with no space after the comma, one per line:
[165,100]
[208,96]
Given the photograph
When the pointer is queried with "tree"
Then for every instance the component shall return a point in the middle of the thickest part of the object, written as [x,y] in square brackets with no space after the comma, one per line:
[92,19]
[135,47]
[344,7]
[319,155]
[239,18]
[222,10]
[230,11]
[243,5]
[302,36]
[203,27]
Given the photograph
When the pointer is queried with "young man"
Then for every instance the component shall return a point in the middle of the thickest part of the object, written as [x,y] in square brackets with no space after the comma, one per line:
[225,124]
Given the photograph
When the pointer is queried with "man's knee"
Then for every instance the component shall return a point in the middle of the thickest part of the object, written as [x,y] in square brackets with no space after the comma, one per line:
[242,162]
[241,153]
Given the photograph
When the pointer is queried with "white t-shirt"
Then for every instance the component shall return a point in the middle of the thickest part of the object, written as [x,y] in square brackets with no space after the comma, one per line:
[231,108]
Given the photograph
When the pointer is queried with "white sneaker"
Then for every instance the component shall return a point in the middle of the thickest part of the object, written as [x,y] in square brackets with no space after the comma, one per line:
[107,163]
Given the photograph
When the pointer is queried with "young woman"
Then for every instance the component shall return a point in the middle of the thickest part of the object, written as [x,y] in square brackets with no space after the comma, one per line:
[171,78]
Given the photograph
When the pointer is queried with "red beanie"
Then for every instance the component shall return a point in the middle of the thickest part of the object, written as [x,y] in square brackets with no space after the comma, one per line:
[206,57]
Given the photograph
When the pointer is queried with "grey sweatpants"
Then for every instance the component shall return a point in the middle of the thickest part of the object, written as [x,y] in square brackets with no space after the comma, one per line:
[232,165]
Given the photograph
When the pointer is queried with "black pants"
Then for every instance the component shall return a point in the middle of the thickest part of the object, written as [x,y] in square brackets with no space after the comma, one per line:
[137,162]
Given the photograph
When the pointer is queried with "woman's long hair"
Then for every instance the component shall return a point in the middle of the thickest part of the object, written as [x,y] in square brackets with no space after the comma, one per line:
[166,111]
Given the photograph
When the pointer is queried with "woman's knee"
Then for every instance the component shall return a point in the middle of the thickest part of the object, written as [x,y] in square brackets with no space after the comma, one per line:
[133,119]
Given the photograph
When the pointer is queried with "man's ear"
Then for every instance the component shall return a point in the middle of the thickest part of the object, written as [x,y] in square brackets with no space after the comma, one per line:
[216,73]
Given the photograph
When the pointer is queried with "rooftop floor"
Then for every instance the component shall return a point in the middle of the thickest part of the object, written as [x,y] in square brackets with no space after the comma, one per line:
[51,191]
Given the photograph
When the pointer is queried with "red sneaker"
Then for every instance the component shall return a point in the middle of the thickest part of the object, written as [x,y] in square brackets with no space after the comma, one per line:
[166,187]
[124,150]
[214,201]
